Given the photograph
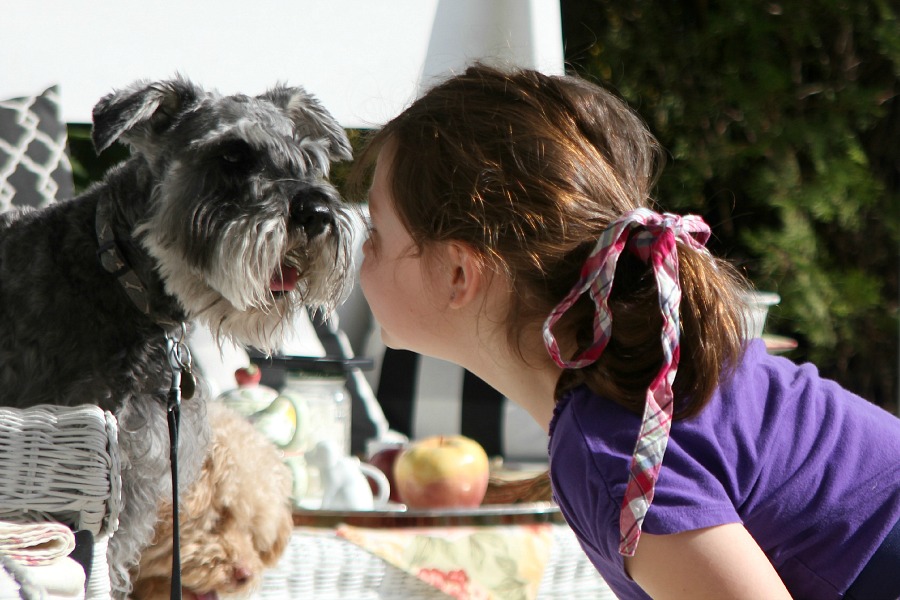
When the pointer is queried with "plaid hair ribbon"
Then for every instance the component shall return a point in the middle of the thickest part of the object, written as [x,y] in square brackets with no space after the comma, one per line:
[653,241]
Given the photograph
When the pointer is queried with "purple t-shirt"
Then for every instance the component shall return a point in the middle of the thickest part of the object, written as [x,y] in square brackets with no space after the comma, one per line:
[811,470]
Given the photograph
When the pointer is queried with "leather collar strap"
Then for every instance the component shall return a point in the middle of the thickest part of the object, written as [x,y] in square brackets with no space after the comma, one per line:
[113,261]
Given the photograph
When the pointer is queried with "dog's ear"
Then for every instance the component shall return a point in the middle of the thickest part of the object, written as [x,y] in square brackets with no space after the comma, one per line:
[311,119]
[140,110]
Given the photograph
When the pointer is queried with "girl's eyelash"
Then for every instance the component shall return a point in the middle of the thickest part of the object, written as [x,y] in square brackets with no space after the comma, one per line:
[369,224]
[369,227]
[371,241]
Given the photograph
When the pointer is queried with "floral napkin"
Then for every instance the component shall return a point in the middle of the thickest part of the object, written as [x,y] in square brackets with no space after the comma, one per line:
[467,563]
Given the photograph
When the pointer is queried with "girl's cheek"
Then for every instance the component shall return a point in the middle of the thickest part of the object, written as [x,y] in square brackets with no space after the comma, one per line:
[363,281]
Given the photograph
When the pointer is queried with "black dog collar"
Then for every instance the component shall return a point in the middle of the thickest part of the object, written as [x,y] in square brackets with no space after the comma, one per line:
[113,260]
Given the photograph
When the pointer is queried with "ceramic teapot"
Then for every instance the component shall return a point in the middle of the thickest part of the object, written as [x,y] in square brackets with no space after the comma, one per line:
[283,417]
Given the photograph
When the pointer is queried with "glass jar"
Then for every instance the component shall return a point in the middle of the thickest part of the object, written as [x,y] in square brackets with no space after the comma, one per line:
[328,409]
[318,386]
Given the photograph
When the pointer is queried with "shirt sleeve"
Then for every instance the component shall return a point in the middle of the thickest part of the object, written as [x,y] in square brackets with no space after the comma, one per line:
[692,490]
[693,487]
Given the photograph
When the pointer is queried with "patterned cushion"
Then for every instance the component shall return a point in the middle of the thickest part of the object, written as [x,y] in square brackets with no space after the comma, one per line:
[34,167]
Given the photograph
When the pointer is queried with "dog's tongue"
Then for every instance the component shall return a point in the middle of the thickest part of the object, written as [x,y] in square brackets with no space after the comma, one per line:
[285,280]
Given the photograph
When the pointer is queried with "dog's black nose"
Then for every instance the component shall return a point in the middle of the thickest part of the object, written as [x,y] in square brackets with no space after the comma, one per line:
[311,211]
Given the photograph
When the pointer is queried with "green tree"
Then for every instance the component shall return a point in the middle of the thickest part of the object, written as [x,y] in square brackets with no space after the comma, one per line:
[782,124]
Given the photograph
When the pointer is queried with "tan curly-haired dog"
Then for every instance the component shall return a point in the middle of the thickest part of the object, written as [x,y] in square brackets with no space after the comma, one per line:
[235,520]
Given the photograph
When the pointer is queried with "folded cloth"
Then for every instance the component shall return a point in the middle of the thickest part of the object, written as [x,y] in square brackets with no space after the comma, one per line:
[63,580]
[36,544]
[467,563]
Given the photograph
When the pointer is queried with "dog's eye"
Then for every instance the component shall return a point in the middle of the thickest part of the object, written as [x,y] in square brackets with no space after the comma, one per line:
[236,155]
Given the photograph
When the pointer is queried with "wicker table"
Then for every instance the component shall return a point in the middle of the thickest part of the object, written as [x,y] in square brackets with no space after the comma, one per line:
[320,563]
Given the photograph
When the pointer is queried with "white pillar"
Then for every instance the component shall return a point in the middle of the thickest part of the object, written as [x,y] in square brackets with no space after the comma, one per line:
[523,33]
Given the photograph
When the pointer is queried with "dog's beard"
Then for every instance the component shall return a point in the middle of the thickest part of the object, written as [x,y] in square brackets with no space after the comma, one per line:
[234,295]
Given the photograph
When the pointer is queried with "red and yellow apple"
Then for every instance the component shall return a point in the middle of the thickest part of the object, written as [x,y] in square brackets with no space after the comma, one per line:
[442,472]
[384,459]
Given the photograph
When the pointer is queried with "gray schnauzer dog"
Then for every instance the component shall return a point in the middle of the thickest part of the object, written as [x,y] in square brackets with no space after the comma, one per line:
[222,215]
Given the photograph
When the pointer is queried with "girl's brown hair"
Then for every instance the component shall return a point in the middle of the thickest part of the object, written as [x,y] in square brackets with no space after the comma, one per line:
[528,170]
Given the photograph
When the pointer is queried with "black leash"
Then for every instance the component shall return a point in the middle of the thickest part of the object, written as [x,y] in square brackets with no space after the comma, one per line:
[182,383]
[113,260]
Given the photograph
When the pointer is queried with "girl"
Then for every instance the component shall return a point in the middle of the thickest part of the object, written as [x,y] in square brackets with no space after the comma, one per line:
[512,233]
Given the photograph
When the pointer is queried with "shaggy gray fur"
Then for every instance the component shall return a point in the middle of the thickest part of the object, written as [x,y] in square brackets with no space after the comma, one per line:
[222,196]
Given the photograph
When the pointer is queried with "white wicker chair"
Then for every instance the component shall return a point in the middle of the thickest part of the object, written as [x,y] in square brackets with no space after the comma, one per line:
[61,464]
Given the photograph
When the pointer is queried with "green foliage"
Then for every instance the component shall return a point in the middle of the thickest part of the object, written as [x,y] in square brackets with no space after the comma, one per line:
[87,166]
[782,123]
[339,171]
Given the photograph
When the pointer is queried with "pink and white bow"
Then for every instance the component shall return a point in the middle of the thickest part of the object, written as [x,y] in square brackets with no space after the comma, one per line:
[653,241]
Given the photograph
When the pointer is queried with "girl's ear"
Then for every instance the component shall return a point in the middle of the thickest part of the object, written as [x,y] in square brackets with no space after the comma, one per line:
[466,274]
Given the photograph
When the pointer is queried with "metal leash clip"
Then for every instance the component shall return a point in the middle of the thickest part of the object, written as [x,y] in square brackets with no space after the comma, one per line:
[181,362]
